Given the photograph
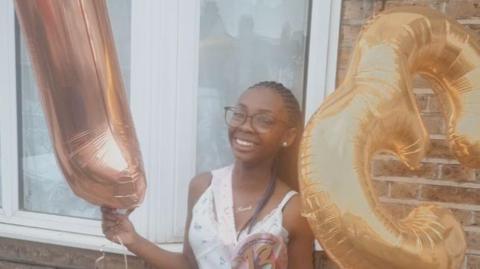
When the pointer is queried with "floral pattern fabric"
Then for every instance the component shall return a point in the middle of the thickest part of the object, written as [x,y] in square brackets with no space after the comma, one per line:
[212,232]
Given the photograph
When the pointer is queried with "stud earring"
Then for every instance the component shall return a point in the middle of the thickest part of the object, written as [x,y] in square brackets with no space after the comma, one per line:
[284,144]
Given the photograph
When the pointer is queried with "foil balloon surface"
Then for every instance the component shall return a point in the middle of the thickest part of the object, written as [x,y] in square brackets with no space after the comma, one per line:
[374,110]
[74,59]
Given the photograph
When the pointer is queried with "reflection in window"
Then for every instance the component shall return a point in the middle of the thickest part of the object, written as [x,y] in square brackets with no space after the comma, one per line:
[242,43]
[43,187]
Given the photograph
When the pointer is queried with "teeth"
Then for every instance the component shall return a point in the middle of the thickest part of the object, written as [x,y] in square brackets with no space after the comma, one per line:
[243,142]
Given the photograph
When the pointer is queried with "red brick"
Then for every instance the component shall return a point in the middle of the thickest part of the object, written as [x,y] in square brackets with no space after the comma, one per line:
[381,187]
[440,149]
[435,4]
[420,82]
[476,218]
[397,211]
[473,240]
[435,123]
[344,56]
[434,104]
[356,10]
[450,194]
[422,102]
[461,9]
[473,262]
[457,172]
[465,217]
[341,72]
[12,265]
[349,35]
[397,168]
[403,190]
[54,256]
[475,28]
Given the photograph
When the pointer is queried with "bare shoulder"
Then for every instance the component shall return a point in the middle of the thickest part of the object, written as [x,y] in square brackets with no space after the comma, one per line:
[197,186]
[300,244]
[293,220]
[293,209]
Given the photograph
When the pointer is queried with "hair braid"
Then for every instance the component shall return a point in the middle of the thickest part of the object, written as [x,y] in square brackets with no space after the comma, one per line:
[291,104]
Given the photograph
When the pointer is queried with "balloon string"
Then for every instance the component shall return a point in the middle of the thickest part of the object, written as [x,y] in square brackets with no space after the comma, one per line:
[124,254]
[102,258]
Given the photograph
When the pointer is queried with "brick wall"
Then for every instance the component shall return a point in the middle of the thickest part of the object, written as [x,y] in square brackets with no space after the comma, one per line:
[441,178]
[18,254]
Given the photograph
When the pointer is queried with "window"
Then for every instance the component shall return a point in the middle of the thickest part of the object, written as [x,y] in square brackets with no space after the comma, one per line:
[241,43]
[227,61]
[182,62]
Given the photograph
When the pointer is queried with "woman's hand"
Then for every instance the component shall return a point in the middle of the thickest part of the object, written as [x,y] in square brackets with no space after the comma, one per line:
[117,227]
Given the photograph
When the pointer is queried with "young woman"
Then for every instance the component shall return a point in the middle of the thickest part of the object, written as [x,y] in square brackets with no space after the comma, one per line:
[249,202]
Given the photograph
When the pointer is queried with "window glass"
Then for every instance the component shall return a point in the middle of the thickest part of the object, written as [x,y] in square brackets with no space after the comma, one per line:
[242,43]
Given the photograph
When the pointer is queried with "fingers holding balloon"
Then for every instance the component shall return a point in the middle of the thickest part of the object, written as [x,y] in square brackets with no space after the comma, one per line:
[117,227]
[113,230]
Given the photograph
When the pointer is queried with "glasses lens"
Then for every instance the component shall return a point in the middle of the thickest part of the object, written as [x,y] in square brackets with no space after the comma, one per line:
[234,116]
[263,122]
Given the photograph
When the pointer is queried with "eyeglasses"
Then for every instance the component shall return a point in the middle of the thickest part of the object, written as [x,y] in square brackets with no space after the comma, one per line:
[262,122]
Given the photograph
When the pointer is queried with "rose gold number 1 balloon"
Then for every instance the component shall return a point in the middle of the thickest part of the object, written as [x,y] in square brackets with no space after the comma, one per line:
[83,97]
[374,110]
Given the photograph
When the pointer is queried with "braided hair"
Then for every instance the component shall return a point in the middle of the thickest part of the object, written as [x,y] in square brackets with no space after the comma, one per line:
[285,165]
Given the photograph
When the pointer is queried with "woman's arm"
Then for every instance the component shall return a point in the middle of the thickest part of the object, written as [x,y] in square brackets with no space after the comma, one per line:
[300,244]
[116,226]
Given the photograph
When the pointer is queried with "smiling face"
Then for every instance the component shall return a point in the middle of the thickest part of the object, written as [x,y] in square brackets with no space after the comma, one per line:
[249,145]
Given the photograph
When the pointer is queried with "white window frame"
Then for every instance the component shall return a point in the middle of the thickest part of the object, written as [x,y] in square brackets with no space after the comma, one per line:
[164,71]
[323,51]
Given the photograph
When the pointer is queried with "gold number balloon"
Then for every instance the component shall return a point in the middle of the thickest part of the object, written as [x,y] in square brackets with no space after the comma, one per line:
[74,59]
[374,110]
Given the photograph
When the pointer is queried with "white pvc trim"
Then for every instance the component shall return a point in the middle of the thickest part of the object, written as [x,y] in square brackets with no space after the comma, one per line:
[140,102]
[162,84]
[54,222]
[333,44]
[323,50]
[187,86]
[8,110]
[69,239]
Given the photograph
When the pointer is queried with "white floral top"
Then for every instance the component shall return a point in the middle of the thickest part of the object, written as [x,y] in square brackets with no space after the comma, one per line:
[214,238]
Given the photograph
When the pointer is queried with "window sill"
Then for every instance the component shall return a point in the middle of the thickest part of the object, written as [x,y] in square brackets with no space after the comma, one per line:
[69,239]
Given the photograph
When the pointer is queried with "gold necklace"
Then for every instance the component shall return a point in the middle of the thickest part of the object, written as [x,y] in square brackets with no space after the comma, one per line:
[244,208]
